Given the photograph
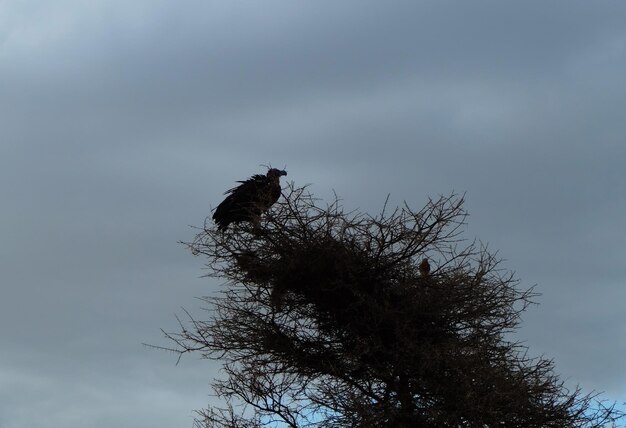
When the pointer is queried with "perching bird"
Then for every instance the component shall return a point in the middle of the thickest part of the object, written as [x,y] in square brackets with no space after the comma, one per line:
[424,268]
[250,199]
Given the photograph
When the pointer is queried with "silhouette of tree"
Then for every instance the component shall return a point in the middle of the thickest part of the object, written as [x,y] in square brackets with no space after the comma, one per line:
[330,318]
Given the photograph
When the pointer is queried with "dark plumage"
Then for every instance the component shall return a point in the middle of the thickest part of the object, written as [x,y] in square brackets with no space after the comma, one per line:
[424,268]
[250,199]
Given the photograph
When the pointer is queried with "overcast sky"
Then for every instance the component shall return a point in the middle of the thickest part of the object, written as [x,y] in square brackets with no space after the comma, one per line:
[122,122]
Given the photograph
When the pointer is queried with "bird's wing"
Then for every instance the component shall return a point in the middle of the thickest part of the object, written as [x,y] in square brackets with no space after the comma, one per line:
[251,184]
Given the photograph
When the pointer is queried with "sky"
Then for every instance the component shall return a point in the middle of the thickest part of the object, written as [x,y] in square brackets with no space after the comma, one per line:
[122,123]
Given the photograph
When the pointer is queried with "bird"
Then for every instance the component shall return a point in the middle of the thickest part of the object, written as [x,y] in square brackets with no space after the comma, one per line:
[249,200]
[424,268]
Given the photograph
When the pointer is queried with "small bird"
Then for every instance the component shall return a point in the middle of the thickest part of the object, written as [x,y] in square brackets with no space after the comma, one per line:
[424,268]
[250,199]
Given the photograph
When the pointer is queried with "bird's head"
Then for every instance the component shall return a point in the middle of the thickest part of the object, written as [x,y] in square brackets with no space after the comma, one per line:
[276,173]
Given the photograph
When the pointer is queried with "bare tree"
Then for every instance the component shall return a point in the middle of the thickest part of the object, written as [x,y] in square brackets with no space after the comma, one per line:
[332,318]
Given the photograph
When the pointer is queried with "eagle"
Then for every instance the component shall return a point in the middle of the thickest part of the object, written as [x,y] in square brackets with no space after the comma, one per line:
[250,199]
[424,268]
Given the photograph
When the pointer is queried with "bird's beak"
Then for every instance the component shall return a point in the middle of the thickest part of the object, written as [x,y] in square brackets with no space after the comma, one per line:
[283,172]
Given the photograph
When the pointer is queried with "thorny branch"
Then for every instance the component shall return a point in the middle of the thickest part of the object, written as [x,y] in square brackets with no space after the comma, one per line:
[325,320]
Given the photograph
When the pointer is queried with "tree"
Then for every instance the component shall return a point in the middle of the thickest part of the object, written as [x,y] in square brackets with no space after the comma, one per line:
[331,318]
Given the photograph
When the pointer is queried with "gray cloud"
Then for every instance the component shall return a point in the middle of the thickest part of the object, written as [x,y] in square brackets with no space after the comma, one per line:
[123,123]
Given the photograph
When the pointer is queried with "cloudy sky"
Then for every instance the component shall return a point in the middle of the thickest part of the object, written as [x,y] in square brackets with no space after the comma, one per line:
[121,124]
